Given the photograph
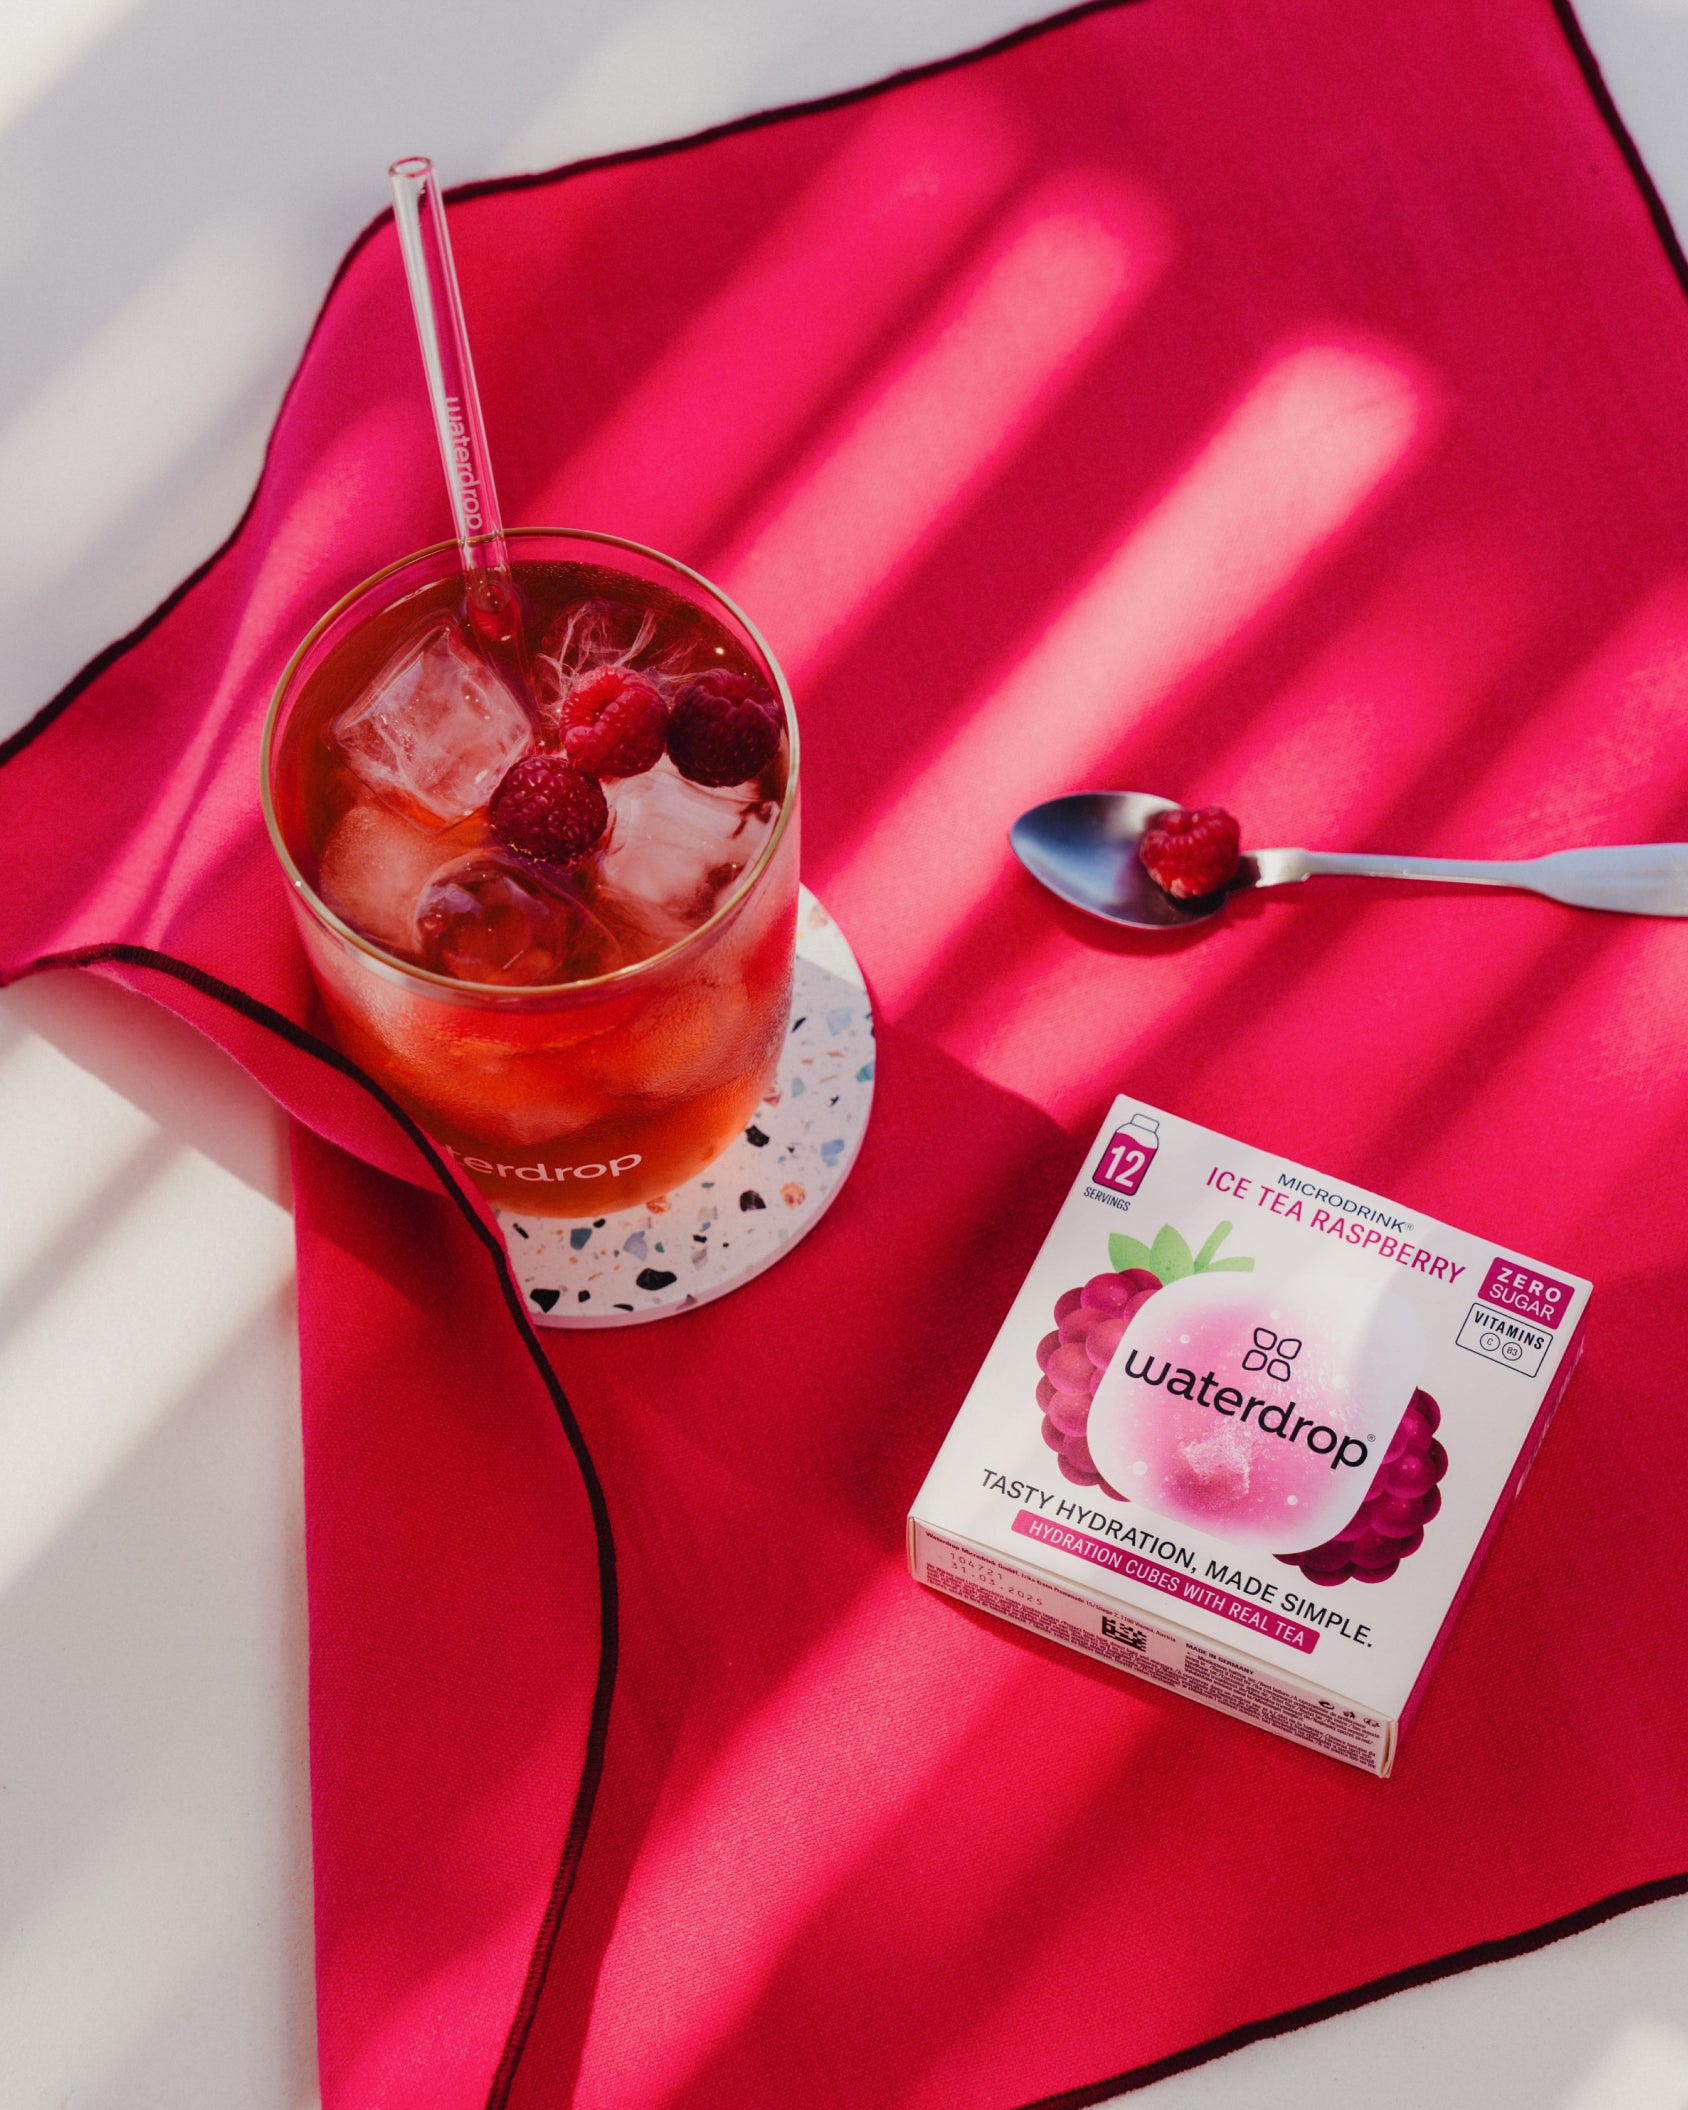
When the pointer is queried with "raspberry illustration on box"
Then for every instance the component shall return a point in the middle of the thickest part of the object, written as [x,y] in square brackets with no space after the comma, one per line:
[1090,1322]
[1400,1502]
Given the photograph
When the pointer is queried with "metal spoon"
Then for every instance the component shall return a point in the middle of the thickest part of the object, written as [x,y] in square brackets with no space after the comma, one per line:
[1084,848]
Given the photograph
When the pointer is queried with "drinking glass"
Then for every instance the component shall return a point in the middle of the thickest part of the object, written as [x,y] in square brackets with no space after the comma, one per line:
[566,1098]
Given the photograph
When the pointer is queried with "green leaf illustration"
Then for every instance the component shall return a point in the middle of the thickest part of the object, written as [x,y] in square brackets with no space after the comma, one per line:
[1207,1265]
[1215,1239]
[1126,1253]
[1170,1255]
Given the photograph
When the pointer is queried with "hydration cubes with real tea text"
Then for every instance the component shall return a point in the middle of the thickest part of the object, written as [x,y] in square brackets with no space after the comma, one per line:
[1247,1432]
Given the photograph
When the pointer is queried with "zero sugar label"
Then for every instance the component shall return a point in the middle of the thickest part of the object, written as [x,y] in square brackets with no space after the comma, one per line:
[1526,1292]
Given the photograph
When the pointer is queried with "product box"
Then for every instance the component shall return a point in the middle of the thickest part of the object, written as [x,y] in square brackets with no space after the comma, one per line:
[1247,1431]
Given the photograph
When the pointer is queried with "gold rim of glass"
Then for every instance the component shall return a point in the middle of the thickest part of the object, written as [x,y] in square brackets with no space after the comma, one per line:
[501,992]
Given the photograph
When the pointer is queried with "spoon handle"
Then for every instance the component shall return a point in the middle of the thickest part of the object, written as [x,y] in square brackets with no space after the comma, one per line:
[1638,879]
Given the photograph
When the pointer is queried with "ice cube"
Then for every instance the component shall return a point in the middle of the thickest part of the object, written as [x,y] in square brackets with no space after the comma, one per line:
[439,726]
[675,848]
[375,867]
[490,918]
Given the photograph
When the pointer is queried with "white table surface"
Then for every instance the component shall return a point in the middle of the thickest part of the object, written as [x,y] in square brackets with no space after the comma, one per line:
[178,179]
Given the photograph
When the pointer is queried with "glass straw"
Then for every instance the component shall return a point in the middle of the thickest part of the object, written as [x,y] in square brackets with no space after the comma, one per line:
[420,213]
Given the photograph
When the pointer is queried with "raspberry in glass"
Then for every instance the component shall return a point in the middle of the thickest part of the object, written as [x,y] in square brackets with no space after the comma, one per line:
[725,728]
[614,722]
[546,808]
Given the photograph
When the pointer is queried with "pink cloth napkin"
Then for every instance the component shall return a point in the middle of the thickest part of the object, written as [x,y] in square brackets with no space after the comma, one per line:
[1256,401]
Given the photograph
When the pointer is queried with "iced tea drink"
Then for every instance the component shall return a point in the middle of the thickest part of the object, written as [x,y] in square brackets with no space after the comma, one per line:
[550,903]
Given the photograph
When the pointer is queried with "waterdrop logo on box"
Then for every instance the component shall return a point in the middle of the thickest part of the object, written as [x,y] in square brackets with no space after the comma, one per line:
[1257,1406]
[1272,1353]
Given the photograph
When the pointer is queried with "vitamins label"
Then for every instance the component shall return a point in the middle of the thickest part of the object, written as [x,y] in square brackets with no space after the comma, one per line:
[1508,1343]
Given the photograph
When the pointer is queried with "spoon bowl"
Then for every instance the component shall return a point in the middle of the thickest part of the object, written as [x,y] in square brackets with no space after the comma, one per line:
[1084,848]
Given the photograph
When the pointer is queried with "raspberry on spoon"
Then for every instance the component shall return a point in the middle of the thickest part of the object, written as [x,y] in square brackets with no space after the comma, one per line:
[1191,852]
[547,808]
[613,723]
[724,728]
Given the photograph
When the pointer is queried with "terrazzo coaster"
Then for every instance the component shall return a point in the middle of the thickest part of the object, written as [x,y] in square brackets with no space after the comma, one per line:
[757,1199]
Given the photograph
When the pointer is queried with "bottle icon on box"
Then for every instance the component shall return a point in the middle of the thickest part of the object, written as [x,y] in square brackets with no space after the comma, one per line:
[1128,1154]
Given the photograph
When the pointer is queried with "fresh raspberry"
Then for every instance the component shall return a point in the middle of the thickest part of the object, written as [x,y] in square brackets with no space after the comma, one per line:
[547,808]
[1188,854]
[742,688]
[613,723]
[1389,1523]
[724,728]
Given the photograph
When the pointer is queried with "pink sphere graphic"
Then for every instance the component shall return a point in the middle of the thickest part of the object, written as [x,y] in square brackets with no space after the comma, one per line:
[1257,1407]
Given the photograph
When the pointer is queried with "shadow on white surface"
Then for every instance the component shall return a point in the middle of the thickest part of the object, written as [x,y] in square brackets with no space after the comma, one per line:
[158,1068]
[158,279]
[155,1935]
[1609,2007]
[1645,2069]
[1642,47]
[86,462]
[154,1817]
